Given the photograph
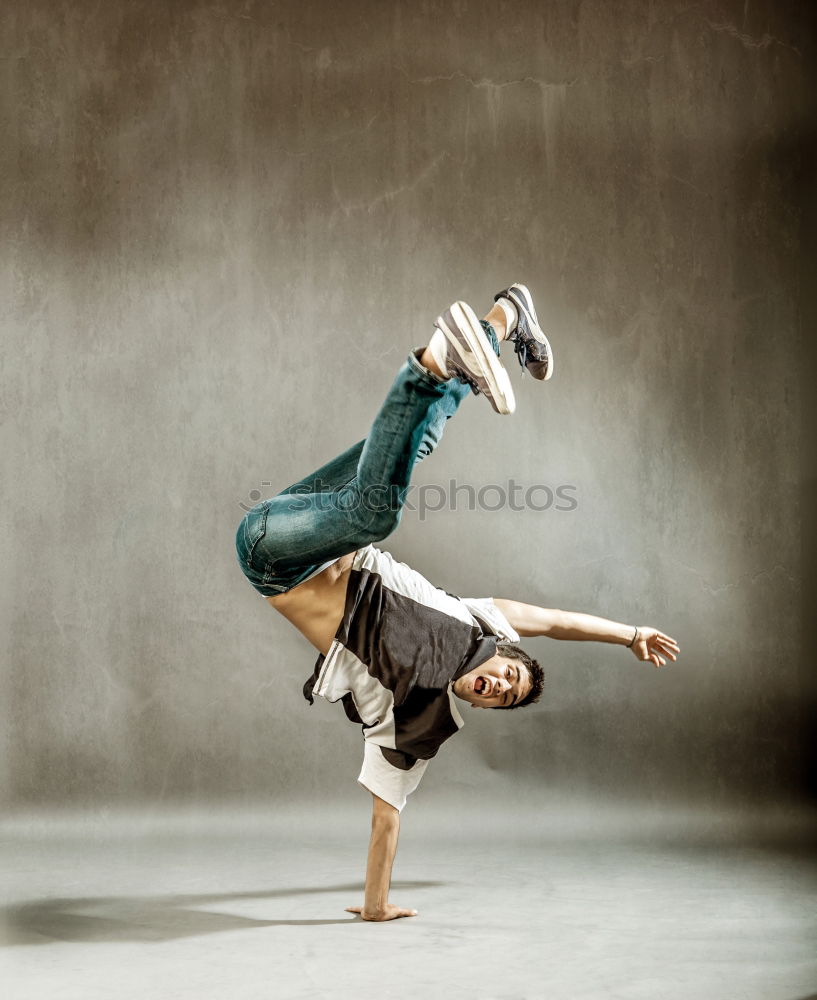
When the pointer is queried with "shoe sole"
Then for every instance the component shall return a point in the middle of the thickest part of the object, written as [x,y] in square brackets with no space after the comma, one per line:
[521,298]
[461,328]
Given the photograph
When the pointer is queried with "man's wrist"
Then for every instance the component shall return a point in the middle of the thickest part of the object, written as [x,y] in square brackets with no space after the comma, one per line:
[633,636]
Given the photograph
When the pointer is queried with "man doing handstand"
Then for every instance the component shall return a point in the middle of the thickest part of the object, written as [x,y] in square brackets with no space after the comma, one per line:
[395,650]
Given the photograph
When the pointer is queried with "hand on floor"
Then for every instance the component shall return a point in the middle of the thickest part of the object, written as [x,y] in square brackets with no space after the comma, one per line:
[390,912]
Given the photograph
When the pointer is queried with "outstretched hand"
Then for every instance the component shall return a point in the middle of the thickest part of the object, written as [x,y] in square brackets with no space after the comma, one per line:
[389,912]
[652,646]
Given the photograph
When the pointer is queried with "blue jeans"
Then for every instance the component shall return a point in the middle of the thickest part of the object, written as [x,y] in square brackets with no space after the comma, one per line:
[357,498]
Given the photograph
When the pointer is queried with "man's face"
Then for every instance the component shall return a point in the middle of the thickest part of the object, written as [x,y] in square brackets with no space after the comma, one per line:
[498,683]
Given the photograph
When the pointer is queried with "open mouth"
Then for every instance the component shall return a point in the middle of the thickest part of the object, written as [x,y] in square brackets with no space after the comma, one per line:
[483,686]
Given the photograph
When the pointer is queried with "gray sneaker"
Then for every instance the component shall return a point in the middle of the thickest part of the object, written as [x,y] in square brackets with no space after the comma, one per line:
[530,343]
[463,351]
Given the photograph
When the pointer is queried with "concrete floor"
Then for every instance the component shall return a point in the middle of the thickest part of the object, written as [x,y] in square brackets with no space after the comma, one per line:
[237,905]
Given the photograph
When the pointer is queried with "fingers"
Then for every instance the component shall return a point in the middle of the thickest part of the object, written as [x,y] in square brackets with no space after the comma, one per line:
[660,646]
[667,640]
[653,635]
[392,913]
[649,655]
[666,649]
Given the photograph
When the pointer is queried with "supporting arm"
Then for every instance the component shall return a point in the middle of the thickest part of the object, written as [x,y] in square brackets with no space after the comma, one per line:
[382,849]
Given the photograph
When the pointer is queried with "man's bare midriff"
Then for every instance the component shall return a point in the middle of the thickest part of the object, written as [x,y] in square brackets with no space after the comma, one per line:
[315,607]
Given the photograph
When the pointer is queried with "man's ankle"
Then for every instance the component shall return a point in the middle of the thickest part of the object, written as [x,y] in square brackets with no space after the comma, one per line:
[426,359]
[503,317]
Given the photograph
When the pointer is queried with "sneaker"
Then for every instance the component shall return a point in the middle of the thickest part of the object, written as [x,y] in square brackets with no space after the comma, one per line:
[530,343]
[463,351]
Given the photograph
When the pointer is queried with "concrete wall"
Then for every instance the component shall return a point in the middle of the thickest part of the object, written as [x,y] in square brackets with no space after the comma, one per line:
[225,226]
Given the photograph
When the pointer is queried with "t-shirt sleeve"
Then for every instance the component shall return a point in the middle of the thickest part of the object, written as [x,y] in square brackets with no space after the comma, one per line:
[391,783]
[484,610]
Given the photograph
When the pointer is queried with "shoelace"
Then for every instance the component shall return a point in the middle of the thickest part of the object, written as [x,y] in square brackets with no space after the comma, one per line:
[521,344]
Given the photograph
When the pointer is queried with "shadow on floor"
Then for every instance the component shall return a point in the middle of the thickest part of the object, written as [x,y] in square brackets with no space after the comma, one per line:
[153,918]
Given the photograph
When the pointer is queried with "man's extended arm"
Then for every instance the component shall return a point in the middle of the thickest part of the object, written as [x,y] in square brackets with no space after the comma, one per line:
[528,619]
[382,848]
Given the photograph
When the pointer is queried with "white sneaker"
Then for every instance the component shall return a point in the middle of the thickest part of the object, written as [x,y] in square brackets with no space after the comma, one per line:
[462,350]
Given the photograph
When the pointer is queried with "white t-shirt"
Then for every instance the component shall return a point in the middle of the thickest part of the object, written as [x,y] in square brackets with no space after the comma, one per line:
[400,647]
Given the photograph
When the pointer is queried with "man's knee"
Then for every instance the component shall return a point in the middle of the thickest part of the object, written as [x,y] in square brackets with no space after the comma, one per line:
[381,524]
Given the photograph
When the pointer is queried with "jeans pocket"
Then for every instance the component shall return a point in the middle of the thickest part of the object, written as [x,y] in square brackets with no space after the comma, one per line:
[252,529]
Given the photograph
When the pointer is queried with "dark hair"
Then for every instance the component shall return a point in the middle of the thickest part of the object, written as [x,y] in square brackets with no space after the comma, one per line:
[537,675]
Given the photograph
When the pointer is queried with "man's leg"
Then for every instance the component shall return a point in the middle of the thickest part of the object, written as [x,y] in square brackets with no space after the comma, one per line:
[343,468]
[323,517]
[332,476]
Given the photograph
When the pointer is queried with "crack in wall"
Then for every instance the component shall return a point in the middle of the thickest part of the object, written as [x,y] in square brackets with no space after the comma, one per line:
[487,84]
[358,130]
[764,42]
[367,205]
[741,581]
